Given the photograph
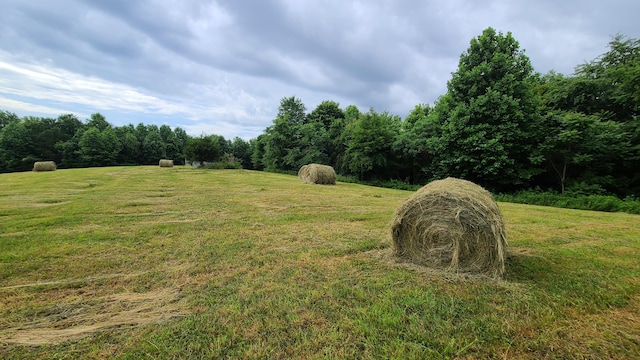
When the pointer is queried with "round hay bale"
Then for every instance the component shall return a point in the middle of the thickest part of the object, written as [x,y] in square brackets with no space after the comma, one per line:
[453,225]
[166,163]
[317,174]
[44,166]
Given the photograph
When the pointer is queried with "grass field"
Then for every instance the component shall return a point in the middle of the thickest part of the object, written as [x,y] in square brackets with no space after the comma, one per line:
[155,263]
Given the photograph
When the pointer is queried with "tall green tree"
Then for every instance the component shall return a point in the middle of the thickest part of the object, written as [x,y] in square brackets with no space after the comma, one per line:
[614,79]
[98,148]
[34,139]
[293,109]
[616,76]
[7,117]
[322,135]
[153,146]
[488,122]
[67,145]
[223,144]
[129,145]
[44,133]
[313,146]
[411,144]
[203,149]
[141,132]
[15,147]
[602,90]
[98,121]
[181,139]
[171,143]
[258,150]
[583,150]
[340,138]
[369,153]
[242,151]
[326,113]
[282,141]
[69,125]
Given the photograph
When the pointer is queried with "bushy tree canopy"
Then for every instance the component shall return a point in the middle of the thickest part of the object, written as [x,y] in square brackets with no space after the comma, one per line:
[202,149]
[488,125]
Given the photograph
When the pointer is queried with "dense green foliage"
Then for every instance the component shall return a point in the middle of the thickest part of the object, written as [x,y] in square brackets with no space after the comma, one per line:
[606,203]
[594,130]
[71,144]
[500,124]
[486,128]
[203,149]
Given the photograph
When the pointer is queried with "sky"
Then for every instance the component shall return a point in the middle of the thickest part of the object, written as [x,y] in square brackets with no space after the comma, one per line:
[222,67]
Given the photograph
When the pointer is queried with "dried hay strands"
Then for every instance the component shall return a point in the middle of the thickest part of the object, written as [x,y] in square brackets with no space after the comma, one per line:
[317,174]
[44,166]
[453,225]
[166,163]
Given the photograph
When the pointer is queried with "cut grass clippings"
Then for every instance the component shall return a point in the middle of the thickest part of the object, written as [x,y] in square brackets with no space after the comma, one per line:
[144,262]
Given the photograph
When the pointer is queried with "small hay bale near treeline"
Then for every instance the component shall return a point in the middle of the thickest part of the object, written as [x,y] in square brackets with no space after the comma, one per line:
[166,163]
[452,225]
[44,166]
[317,174]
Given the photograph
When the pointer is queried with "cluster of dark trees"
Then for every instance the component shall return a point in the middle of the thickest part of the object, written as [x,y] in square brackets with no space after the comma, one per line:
[500,124]
[73,143]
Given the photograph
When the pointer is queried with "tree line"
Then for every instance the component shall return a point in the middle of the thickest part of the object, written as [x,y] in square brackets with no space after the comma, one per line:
[500,124]
[72,143]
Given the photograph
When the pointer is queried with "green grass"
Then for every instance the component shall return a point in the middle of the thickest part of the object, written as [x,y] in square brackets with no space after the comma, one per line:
[149,262]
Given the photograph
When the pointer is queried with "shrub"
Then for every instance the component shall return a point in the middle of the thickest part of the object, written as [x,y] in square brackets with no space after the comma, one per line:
[606,203]
[219,165]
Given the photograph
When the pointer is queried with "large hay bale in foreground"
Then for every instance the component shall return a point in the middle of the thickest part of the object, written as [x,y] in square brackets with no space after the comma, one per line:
[317,174]
[44,166]
[166,163]
[453,225]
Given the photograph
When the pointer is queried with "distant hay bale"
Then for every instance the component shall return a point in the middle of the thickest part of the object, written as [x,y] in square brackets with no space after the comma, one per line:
[44,166]
[453,225]
[166,163]
[317,174]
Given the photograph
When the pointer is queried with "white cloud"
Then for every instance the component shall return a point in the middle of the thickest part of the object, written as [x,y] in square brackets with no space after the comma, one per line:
[42,81]
[219,103]
[21,106]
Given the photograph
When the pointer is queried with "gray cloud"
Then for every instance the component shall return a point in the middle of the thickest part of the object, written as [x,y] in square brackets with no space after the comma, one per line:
[225,65]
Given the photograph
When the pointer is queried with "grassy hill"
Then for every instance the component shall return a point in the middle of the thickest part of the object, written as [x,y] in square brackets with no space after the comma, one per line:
[149,262]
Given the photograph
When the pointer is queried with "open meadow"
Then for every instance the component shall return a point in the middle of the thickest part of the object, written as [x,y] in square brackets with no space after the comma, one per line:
[153,263]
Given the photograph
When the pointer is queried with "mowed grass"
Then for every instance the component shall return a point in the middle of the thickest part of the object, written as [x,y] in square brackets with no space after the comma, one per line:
[154,263]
